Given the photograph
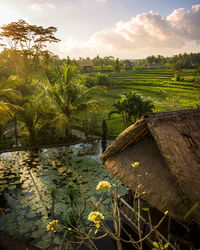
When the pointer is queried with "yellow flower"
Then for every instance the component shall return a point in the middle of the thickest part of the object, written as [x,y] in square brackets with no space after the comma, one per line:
[103,185]
[96,217]
[135,165]
[52,225]
[97,225]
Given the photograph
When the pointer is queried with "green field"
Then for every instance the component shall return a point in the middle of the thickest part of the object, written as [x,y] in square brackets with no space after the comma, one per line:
[155,84]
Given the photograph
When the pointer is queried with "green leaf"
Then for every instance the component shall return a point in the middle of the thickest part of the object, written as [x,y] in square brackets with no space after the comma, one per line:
[166,245]
[156,244]
[194,207]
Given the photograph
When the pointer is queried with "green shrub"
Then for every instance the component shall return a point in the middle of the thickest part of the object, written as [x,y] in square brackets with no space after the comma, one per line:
[102,79]
[91,81]
[97,79]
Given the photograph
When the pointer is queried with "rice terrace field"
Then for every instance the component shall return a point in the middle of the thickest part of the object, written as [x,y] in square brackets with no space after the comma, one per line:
[156,84]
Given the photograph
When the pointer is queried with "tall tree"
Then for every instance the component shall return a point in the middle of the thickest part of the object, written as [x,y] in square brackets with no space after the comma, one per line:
[35,121]
[117,66]
[26,41]
[177,70]
[23,36]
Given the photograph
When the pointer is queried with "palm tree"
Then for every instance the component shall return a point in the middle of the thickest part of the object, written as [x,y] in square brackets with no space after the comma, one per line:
[177,70]
[117,66]
[119,108]
[131,107]
[67,96]
[7,95]
[35,121]
[30,117]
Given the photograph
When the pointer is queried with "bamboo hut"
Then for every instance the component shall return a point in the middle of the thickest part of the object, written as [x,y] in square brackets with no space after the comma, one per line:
[86,65]
[127,65]
[167,146]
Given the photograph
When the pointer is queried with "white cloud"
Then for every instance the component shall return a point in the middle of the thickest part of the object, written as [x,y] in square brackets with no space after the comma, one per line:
[40,6]
[145,34]
[101,1]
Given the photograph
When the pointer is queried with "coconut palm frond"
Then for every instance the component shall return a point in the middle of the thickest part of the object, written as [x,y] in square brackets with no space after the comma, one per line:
[68,73]
[7,95]
[95,90]
[67,95]
[48,93]
[93,105]
[7,111]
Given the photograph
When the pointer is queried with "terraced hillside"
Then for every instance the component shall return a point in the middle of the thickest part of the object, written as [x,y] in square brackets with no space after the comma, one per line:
[155,84]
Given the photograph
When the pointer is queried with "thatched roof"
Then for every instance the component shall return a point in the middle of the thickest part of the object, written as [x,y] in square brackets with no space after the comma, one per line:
[167,145]
[87,63]
[127,63]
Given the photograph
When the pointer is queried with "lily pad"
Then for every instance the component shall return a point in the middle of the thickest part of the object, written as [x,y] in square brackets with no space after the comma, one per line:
[38,222]
[50,166]
[11,176]
[12,187]
[35,234]
[30,214]
[57,240]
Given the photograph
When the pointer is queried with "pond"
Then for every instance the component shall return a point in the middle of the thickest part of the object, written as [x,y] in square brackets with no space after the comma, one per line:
[27,178]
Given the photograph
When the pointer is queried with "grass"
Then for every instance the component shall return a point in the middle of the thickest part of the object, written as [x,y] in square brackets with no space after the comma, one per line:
[155,84]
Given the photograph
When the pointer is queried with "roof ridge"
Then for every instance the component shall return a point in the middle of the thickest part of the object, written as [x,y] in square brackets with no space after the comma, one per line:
[171,113]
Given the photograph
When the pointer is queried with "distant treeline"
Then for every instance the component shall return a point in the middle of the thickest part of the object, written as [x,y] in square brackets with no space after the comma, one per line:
[9,61]
[184,60]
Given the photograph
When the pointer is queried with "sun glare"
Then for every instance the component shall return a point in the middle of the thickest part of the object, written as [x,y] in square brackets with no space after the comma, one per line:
[8,14]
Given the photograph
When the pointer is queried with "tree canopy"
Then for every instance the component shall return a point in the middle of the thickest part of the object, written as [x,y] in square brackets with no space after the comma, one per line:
[131,107]
[23,36]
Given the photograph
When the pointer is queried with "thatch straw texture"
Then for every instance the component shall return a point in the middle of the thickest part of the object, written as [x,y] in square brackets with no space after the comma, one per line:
[87,63]
[167,145]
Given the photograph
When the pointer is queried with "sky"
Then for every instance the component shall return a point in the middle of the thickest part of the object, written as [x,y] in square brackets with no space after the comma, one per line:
[130,29]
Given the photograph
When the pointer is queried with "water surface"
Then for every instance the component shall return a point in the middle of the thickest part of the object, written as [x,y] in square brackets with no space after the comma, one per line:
[27,177]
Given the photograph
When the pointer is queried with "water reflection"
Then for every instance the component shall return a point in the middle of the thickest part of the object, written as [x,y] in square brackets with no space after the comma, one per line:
[27,178]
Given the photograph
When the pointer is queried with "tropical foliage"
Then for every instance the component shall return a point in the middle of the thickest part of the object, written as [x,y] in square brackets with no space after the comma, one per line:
[131,107]
[7,111]
[47,94]
[101,79]
[67,96]
[7,95]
